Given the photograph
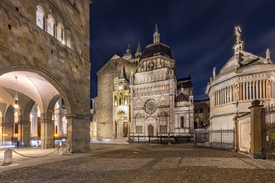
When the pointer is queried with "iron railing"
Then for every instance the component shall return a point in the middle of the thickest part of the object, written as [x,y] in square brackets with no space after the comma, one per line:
[223,139]
[160,139]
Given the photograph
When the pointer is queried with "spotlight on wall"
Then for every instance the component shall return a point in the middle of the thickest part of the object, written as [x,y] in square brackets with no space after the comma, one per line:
[63,42]
[16,94]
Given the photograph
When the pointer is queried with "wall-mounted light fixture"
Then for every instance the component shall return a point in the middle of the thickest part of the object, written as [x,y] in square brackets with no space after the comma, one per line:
[16,94]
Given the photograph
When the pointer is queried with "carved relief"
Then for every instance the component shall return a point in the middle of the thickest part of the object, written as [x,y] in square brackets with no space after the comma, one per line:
[162,101]
[138,103]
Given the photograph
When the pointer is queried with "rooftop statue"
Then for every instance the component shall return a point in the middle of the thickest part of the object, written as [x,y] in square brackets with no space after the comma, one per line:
[268,54]
[238,33]
[214,72]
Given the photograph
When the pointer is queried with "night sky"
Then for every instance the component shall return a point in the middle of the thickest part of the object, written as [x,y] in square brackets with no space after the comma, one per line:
[200,33]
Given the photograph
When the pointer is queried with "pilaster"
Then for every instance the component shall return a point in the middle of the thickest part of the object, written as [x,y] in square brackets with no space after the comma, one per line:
[78,138]
[47,133]
[256,129]
[24,132]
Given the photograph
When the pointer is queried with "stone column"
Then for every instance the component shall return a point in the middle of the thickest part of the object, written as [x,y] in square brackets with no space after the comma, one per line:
[264,88]
[227,95]
[230,94]
[257,89]
[224,95]
[256,130]
[250,91]
[218,97]
[253,88]
[47,132]
[59,122]
[243,90]
[78,136]
[24,132]
[246,88]
[1,133]
[260,89]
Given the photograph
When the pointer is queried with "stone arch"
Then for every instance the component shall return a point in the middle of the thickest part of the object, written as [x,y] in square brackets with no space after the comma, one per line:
[27,26]
[35,33]
[27,110]
[15,17]
[50,108]
[48,77]
[5,11]
[9,117]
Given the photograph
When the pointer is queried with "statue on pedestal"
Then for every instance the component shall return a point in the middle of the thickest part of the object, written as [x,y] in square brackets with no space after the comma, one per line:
[238,33]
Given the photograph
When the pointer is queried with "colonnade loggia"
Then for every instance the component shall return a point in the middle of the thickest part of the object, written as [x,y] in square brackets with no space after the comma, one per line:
[248,90]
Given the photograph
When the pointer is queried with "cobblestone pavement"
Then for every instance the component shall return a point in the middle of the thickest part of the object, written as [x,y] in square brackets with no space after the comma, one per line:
[149,163]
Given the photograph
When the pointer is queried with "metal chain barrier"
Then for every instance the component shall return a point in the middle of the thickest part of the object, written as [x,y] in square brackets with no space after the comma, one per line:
[35,156]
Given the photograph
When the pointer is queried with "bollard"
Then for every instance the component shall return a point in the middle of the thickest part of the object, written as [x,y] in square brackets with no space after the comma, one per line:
[61,149]
[37,143]
[7,156]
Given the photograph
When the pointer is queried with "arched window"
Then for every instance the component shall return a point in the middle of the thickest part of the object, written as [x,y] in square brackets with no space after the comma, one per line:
[115,100]
[50,25]
[60,34]
[125,101]
[182,122]
[120,100]
[40,17]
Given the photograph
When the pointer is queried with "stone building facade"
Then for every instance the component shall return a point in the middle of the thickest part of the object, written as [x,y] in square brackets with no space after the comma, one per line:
[201,113]
[142,96]
[244,78]
[44,56]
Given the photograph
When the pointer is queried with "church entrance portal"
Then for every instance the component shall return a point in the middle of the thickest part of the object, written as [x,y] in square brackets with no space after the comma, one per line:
[125,129]
[150,130]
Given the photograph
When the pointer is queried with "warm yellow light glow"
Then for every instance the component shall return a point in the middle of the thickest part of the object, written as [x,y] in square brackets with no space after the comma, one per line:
[55,134]
[35,135]
[16,106]
[4,134]
[15,135]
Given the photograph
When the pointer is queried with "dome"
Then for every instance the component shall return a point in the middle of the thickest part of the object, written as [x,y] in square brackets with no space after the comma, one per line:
[156,49]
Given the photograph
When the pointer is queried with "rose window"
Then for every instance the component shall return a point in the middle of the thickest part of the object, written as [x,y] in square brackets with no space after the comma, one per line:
[150,107]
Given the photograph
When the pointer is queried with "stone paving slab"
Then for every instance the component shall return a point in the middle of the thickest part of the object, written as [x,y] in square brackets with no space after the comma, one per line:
[216,162]
[141,163]
[108,164]
[167,163]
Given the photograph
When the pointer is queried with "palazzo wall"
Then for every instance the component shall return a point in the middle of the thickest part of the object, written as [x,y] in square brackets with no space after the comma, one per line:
[24,46]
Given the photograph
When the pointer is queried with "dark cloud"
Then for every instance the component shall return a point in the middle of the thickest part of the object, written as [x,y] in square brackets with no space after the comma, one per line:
[200,33]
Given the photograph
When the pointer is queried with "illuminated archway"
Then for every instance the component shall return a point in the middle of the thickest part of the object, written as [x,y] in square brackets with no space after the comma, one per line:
[37,86]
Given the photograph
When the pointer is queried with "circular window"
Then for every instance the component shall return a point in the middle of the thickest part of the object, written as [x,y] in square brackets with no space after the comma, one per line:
[151,107]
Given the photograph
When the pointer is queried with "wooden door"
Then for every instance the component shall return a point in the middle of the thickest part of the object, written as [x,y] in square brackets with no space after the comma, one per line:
[38,127]
[125,129]
[150,130]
